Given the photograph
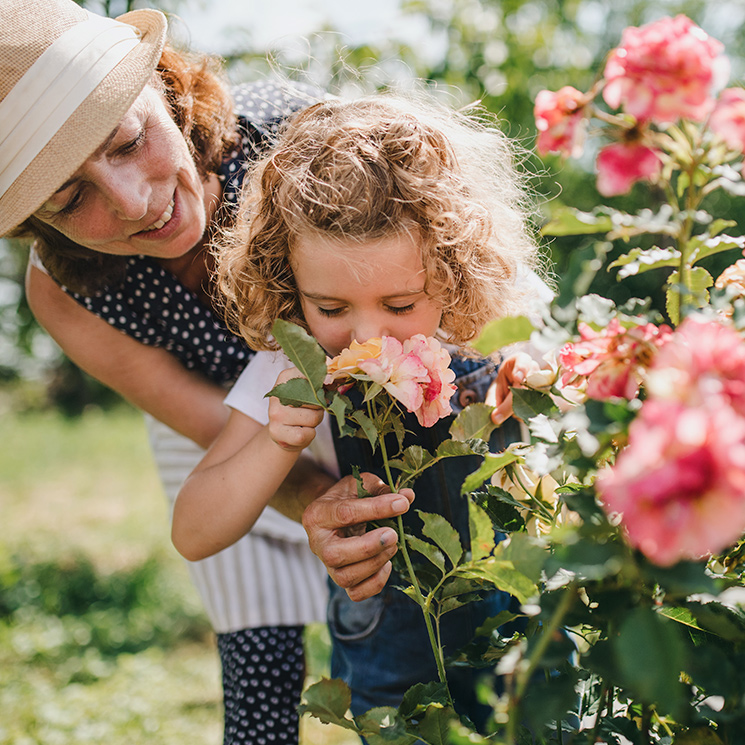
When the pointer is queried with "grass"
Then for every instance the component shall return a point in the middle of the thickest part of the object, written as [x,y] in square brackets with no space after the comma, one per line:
[101,635]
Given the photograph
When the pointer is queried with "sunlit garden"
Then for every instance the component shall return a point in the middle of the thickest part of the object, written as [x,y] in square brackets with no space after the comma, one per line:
[623,505]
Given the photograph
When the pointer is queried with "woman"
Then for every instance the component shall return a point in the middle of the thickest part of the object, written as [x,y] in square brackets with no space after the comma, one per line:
[119,157]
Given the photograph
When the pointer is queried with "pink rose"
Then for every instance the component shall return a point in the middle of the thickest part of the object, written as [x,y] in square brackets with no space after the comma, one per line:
[702,359]
[417,373]
[728,118]
[439,388]
[622,164]
[613,359]
[665,71]
[679,485]
[559,118]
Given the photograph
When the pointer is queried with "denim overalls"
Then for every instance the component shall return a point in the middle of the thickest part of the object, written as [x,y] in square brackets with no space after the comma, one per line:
[380,646]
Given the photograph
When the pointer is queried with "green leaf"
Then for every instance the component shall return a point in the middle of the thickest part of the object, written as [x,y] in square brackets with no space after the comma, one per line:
[435,727]
[456,449]
[420,697]
[503,575]
[492,463]
[700,281]
[328,700]
[711,246]
[474,422]
[527,404]
[526,555]
[430,552]
[481,530]
[339,407]
[718,619]
[439,530]
[650,656]
[367,426]
[303,351]
[502,332]
[569,221]
[384,725]
[641,260]
[680,615]
[295,392]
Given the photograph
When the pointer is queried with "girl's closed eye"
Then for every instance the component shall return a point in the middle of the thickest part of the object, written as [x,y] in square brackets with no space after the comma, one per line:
[330,312]
[401,310]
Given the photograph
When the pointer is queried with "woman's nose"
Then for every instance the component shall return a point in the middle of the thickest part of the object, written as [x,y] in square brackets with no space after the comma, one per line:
[126,190]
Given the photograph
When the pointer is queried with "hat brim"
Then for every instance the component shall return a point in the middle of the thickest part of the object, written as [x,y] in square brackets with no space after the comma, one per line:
[90,125]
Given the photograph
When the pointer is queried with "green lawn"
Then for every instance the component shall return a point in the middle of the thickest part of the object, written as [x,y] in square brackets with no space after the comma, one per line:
[101,635]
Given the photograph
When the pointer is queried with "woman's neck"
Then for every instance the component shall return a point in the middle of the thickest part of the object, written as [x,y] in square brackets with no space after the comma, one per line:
[193,268]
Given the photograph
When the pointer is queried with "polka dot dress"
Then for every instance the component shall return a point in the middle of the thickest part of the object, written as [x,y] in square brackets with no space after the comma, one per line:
[263,669]
[152,306]
[263,675]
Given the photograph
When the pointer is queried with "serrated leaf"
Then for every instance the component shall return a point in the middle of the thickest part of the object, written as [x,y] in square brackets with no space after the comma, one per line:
[430,552]
[481,530]
[474,422]
[439,530]
[641,260]
[420,696]
[436,724]
[711,246]
[680,615]
[383,724]
[503,575]
[526,403]
[501,333]
[492,463]
[328,700]
[526,555]
[568,221]
[339,406]
[295,392]
[303,351]
[367,426]
[456,449]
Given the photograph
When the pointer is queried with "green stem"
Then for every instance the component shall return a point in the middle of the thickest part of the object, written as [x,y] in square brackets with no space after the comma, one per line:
[423,604]
[525,675]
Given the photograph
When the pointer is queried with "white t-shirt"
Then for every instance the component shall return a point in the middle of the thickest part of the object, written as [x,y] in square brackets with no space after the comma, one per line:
[248,397]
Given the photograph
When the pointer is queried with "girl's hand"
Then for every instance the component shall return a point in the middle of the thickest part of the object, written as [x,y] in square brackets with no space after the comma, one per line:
[292,427]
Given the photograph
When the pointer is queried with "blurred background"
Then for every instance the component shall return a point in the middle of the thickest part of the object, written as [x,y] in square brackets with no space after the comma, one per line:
[101,638]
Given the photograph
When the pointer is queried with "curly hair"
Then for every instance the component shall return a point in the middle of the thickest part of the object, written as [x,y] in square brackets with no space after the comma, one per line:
[378,166]
[202,108]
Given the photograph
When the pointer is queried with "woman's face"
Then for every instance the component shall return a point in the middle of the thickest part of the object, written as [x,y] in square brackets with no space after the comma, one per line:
[139,193]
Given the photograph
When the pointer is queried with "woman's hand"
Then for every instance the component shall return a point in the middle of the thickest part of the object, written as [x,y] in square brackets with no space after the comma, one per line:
[292,427]
[335,522]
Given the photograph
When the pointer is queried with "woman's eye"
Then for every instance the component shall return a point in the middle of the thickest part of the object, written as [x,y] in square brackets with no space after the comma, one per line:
[134,144]
[73,204]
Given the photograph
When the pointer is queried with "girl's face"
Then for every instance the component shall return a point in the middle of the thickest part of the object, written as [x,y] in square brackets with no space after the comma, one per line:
[139,193]
[356,291]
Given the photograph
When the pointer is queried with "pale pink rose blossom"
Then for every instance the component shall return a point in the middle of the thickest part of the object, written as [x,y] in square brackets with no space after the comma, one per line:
[701,360]
[622,164]
[612,360]
[415,372]
[401,374]
[665,71]
[439,388]
[679,485]
[728,118]
[560,120]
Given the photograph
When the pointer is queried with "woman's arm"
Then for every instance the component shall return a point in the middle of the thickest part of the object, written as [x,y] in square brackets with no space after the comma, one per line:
[149,377]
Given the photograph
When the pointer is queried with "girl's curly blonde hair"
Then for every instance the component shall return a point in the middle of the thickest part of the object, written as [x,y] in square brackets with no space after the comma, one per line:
[373,167]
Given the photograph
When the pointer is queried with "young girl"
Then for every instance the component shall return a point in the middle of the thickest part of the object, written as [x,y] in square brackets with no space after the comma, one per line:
[376,217]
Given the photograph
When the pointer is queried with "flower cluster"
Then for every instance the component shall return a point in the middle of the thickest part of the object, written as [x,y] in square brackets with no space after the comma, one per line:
[415,372]
[667,71]
[679,483]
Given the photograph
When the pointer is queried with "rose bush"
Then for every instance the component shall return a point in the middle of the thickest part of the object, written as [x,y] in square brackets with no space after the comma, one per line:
[627,498]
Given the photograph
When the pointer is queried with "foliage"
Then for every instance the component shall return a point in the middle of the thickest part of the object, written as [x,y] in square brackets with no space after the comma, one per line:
[626,502]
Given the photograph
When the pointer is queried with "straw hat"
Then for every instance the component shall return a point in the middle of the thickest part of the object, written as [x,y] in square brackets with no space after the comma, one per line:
[67,77]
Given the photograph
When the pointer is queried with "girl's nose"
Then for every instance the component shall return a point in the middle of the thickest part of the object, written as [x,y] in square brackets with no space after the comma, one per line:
[369,328]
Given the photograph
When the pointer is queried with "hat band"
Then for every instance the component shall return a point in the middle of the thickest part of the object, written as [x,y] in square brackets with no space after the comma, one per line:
[52,89]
